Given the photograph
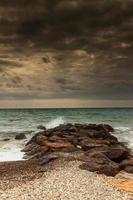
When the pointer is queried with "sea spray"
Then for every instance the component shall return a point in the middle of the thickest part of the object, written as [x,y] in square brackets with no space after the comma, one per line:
[55,122]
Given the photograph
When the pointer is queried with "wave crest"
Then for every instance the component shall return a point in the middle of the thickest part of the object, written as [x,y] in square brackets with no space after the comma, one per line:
[55,122]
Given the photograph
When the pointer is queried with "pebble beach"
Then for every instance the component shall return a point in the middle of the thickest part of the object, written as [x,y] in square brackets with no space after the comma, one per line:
[58,180]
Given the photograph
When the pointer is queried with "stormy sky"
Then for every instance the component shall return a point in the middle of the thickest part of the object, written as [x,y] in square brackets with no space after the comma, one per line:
[66,52]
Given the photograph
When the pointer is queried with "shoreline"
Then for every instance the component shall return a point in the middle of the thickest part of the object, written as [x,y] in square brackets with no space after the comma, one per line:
[27,179]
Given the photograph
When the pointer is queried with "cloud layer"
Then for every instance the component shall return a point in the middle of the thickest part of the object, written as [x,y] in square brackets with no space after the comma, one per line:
[66,49]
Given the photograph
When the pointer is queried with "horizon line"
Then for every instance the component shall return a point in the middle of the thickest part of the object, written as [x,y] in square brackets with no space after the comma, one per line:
[105,107]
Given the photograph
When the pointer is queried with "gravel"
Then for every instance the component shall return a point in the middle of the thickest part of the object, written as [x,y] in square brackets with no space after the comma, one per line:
[66,182]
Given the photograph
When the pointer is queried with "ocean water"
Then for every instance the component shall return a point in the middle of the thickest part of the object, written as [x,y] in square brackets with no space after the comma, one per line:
[13,121]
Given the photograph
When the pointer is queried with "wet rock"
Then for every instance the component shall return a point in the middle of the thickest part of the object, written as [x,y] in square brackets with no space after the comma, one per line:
[69,149]
[86,140]
[36,150]
[20,136]
[102,151]
[100,135]
[5,139]
[64,128]
[33,139]
[73,129]
[88,143]
[28,147]
[47,158]
[96,134]
[57,144]
[72,139]
[105,127]
[56,138]
[99,127]
[40,139]
[89,146]
[41,127]
[117,154]
[126,162]
[101,164]
[129,169]
[114,153]
[84,132]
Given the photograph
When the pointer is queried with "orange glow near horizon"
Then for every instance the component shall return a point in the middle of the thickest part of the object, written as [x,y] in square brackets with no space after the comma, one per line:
[64,103]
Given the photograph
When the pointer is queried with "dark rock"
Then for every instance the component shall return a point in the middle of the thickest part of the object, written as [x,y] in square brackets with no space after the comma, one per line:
[70,149]
[36,150]
[127,162]
[73,129]
[86,140]
[6,139]
[29,147]
[89,146]
[114,153]
[89,143]
[47,158]
[56,138]
[20,136]
[84,132]
[109,128]
[101,164]
[99,134]
[33,139]
[102,151]
[89,126]
[96,134]
[108,170]
[63,128]
[105,127]
[41,127]
[112,140]
[57,145]
[117,153]
[129,169]
[40,139]
[72,139]
[47,133]
[57,133]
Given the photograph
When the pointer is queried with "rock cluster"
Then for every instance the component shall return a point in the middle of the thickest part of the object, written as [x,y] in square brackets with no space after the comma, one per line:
[99,150]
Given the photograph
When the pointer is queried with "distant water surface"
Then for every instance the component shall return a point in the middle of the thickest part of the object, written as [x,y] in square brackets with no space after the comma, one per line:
[13,121]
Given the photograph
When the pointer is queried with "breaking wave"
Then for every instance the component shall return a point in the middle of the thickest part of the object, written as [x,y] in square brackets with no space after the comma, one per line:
[55,122]
[125,134]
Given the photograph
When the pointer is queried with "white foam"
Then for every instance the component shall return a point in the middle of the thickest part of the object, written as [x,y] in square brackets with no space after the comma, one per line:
[55,122]
[11,150]
[125,134]
[123,128]
[11,155]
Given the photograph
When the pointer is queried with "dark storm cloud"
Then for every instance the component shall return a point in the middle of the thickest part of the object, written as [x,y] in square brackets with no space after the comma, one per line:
[53,21]
[102,31]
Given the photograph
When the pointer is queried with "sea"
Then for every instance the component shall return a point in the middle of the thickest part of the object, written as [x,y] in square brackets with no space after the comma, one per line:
[14,121]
